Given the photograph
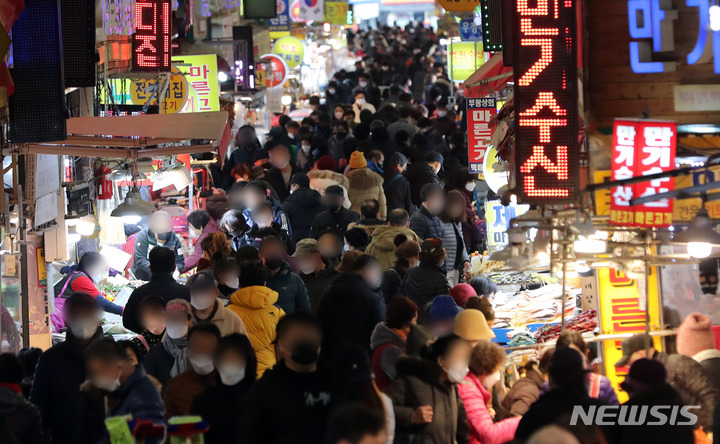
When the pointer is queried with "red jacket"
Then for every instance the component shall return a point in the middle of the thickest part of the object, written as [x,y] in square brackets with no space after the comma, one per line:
[482,428]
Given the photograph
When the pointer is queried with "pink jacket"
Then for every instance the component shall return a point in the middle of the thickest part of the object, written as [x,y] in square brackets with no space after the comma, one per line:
[192,260]
[482,428]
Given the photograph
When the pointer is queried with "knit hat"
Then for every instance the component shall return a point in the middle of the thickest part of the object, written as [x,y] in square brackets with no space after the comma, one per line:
[326,163]
[472,326]
[644,374]
[305,247]
[348,260]
[443,308]
[461,293]
[300,179]
[357,160]
[695,335]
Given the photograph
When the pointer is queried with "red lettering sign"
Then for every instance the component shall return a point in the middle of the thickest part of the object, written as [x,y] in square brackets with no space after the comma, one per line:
[151,40]
[546,136]
[479,114]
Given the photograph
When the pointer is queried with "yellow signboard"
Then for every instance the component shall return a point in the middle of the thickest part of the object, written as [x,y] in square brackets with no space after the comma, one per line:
[336,13]
[201,74]
[602,196]
[622,310]
[686,209]
[459,5]
[175,96]
[465,59]
[291,50]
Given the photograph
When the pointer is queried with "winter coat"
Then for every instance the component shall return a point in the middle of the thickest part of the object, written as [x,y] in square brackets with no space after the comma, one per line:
[145,242]
[225,320]
[454,244]
[401,125]
[255,307]
[419,174]
[275,179]
[388,346]
[138,397]
[318,284]
[392,279]
[364,185]
[523,394]
[220,406]
[349,313]
[397,191]
[301,207]
[292,292]
[419,383]
[161,284]
[382,247]
[710,360]
[192,260]
[321,179]
[483,430]
[279,216]
[605,391]
[338,222]
[368,225]
[286,407]
[422,284]
[82,283]
[182,390]
[56,388]
[159,363]
[426,225]
[216,205]
[23,417]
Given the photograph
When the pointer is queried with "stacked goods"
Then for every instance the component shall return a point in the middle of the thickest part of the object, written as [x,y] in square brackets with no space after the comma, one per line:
[586,321]
[533,306]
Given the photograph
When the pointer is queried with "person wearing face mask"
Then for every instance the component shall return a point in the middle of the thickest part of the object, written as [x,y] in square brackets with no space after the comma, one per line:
[127,388]
[407,252]
[247,149]
[200,225]
[89,272]
[330,246]
[169,358]
[360,105]
[428,279]
[257,193]
[341,129]
[302,206]
[396,186]
[352,307]
[425,222]
[207,308]
[305,157]
[162,283]
[338,112]
[389,339]
[253,303]
[444,123]
[152,318]
[313,270]
[220,404]
[182,389]
[423,171]
[158,233]
[364,184]
[291,402]
[486,364]
[292,291]
[336,217]
[226,272]
[424,394]
[335,96]
[61,370]
[278,177]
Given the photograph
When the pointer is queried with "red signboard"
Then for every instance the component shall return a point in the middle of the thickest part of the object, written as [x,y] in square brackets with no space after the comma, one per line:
[152,38]
[479,113]
[640,148]
[278,71]
[546,135]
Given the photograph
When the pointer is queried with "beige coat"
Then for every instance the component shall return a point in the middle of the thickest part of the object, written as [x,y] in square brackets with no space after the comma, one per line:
[227,321]
[321,179]
[382,246]
[364,185]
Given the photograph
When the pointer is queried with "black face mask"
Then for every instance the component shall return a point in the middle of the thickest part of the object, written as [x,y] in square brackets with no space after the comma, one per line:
[334,207]
[273,263]
[164,236]
[305,352]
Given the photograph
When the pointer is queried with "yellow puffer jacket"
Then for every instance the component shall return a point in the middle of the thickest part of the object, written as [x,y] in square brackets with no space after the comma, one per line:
[255,307]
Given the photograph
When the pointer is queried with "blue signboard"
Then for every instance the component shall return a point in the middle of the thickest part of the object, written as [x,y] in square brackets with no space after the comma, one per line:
[280,25]
[469,30]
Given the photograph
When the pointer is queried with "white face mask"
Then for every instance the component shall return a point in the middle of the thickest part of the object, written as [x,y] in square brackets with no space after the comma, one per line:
[83,329]
[362,84]
[232,282]
[106,383]
[305,148]
[339,116]
[201,301]
[231,374]
[360,102]
[291,135]
[281,164]
[442,113]
[202,365]
[331,90]
[470,186]
[176,331]
[457,373]
[490,380]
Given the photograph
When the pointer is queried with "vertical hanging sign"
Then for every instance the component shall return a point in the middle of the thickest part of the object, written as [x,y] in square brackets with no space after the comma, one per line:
[479,113]
[151,40]
[546,95]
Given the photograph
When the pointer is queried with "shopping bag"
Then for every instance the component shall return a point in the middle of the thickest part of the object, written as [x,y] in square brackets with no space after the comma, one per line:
[119,430]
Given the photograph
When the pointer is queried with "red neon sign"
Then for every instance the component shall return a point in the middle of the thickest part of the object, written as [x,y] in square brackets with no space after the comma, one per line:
[546,140]
[151,40]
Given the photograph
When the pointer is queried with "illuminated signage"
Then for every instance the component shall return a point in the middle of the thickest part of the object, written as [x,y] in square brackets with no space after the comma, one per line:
[653,19]
[546,135]
[464,59]
[479,113]
[280,25]
[640,148]
[492,23]
[151,40]
[497,221]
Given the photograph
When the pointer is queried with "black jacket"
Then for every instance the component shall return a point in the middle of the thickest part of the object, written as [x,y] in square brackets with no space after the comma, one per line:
[422,284]
[56,388]
[291,290]
[145,240]
[318,285]
[349,312]
[274,177]
[426,225]
[158,363]
[392,279]
[220,406]
[337,222]
[419,174]
[161,284]
[397,191]
[22,416]
[286,407]
[301,207]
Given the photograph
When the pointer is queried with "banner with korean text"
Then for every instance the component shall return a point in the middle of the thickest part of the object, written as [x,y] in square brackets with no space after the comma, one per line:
[641,148]
[201,73]
[479,113]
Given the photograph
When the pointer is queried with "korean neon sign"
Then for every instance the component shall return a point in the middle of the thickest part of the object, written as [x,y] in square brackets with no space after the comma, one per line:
[640,148]
[479,113]
[151,40]
[546,141]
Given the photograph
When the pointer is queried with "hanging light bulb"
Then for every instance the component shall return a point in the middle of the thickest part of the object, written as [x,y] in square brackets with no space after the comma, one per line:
[700,236]
[699,250]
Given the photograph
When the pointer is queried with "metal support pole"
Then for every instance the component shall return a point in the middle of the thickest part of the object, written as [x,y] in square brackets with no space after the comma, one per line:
[24,284]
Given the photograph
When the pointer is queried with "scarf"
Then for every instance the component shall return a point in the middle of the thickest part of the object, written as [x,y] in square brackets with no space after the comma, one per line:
[178,349]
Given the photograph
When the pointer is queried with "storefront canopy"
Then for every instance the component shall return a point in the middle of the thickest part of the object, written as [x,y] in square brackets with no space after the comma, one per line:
[492,75]
[132,137]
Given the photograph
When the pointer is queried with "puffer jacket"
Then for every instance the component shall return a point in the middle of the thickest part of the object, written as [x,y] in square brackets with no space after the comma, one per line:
[364,185]
[456,253]
[482,428]
[291,290]
[321,179]
[301,207]
[522,395]
[419,383]
[138,397]
[382,247]
[422,284]
[23,417]
[255,307]
[387,346]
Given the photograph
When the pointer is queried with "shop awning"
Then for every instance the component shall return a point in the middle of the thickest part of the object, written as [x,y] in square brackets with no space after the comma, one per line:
[492,76]
[131,137]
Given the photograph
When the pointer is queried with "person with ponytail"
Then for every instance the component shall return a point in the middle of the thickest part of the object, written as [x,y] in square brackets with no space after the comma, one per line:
[407,252]
[214,246]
